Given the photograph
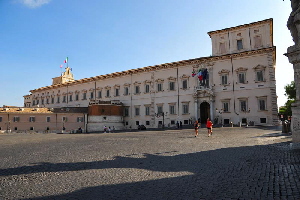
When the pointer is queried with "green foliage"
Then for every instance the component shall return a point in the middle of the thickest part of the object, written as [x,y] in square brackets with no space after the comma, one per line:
[290,91]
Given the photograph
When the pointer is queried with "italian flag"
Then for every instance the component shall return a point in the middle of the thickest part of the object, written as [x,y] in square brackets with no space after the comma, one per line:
[66,60]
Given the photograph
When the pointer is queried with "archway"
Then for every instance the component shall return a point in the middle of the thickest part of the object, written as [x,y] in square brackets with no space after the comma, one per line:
[204,112]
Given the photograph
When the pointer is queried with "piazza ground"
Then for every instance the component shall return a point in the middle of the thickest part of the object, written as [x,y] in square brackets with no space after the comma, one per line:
[235,163]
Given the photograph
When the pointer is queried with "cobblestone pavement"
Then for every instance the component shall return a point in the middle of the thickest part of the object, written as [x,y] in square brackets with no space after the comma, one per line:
[234,163]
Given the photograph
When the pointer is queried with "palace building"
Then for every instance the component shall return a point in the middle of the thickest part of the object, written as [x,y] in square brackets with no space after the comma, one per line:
[235,85]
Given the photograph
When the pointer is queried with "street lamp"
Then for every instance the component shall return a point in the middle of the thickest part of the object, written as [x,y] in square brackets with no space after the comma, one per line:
[220,112]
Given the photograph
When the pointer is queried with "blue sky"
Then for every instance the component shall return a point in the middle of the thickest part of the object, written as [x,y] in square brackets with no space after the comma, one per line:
[105,36]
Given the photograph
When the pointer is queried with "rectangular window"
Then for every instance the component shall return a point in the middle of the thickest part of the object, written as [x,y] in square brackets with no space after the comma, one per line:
[147,122]
[16,119]
[84,96]
[137,111]
[137,123]
[107,93]
[126,112]
[262,104]
[226,106]
[47,101]
[239,44]
[224,79]
[71,97]
[185,108]
[126,91]
[42,101]
[37,102]
[147,110]
[48,119]
[92,95]
[58,99]
[159,109]
[259,76]
[0,119]
[31,119]
[222,48]
[52,100]
[79,119]
[117,92]
[184,84]
[242,77]
[172,110]
[99,94]
[243,106]
[159,87]
[64,99]
[172,86]
[64,119]
[76,97]
[137,89]
[147,88]
[263,120]
[31,128]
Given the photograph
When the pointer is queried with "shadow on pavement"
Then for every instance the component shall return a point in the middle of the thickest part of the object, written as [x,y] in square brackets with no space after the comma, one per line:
[239,172]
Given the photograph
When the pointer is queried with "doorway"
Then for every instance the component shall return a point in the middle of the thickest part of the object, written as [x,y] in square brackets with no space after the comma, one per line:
[204,112]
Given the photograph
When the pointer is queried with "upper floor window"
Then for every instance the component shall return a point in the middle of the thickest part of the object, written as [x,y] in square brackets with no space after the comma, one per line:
[147,110]
[0,119]
[184,84]
[48,119]
[84,96]
[259,75]
[64,99]
[159,87]
[126,112]
[16,119]
[137,89]
[257,41]
[52,100]
[185,108]
[225,106]
[31,119]
[107,93]
[242,77]
[99,94]
[58,99]
[126,91]
[172,110]
[92,95]
[222,48]
[224,79]
[159,109]
[76,97]
[137,111]
[71,97]
[239,44]
[172,86]
[147,88]
[243,105]
[117,92]
[262,103]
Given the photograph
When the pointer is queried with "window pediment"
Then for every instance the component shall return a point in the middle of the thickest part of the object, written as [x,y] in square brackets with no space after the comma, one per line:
[137,83]
[107,87]
[91,89]
[159,80]
[259,67]
[77,91]
[147,81]
[84,91]
[99,88]
[127,84]
[171,78]
[184,76]
[224,71]
[241,69]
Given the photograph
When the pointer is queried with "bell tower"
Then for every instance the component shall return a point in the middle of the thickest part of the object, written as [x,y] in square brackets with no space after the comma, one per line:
[65,77]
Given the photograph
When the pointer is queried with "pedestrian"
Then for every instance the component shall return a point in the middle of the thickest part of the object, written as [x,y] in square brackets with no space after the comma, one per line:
[177,124]
[196,126]
[104,128]
[113,129]
[209,125]
[109,129]
[180,124]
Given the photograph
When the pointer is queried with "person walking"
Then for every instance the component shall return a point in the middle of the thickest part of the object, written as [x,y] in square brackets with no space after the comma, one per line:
[209,125]
[196,126]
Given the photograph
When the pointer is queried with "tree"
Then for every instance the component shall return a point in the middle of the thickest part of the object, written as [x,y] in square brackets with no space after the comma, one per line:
[290,92]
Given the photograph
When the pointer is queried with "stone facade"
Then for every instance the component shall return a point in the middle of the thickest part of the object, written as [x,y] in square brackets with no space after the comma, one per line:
[236,84]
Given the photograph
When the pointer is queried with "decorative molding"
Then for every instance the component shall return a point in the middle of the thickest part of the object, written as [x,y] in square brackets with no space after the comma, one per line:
[259,67]
[224,71]
[241,69]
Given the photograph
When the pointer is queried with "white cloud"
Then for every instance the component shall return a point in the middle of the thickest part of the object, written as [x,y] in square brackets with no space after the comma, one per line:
[34,3]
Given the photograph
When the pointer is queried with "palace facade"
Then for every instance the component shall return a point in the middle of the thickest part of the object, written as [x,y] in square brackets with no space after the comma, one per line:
[235,85]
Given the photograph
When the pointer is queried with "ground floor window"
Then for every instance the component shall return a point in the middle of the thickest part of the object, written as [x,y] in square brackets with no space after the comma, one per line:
[147,122]
[263,120]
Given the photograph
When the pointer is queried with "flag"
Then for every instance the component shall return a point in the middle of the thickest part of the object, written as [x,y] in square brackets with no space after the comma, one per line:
[61,66]
[66,60]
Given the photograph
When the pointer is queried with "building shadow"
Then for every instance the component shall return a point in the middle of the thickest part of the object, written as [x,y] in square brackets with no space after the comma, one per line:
[232,173]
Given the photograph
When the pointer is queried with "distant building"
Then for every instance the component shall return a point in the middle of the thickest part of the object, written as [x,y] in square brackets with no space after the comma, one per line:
[236,84]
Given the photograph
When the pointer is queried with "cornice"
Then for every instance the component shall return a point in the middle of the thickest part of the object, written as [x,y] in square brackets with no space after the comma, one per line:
[202,60]
[242,26]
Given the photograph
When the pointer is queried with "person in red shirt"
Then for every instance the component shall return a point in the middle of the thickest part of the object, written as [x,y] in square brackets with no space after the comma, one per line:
[209,125]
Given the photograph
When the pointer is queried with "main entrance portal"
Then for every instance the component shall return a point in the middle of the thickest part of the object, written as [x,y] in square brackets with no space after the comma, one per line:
[204,112]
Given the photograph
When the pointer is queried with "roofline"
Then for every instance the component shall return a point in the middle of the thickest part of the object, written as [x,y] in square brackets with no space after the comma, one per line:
[200,60]
[270,20]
